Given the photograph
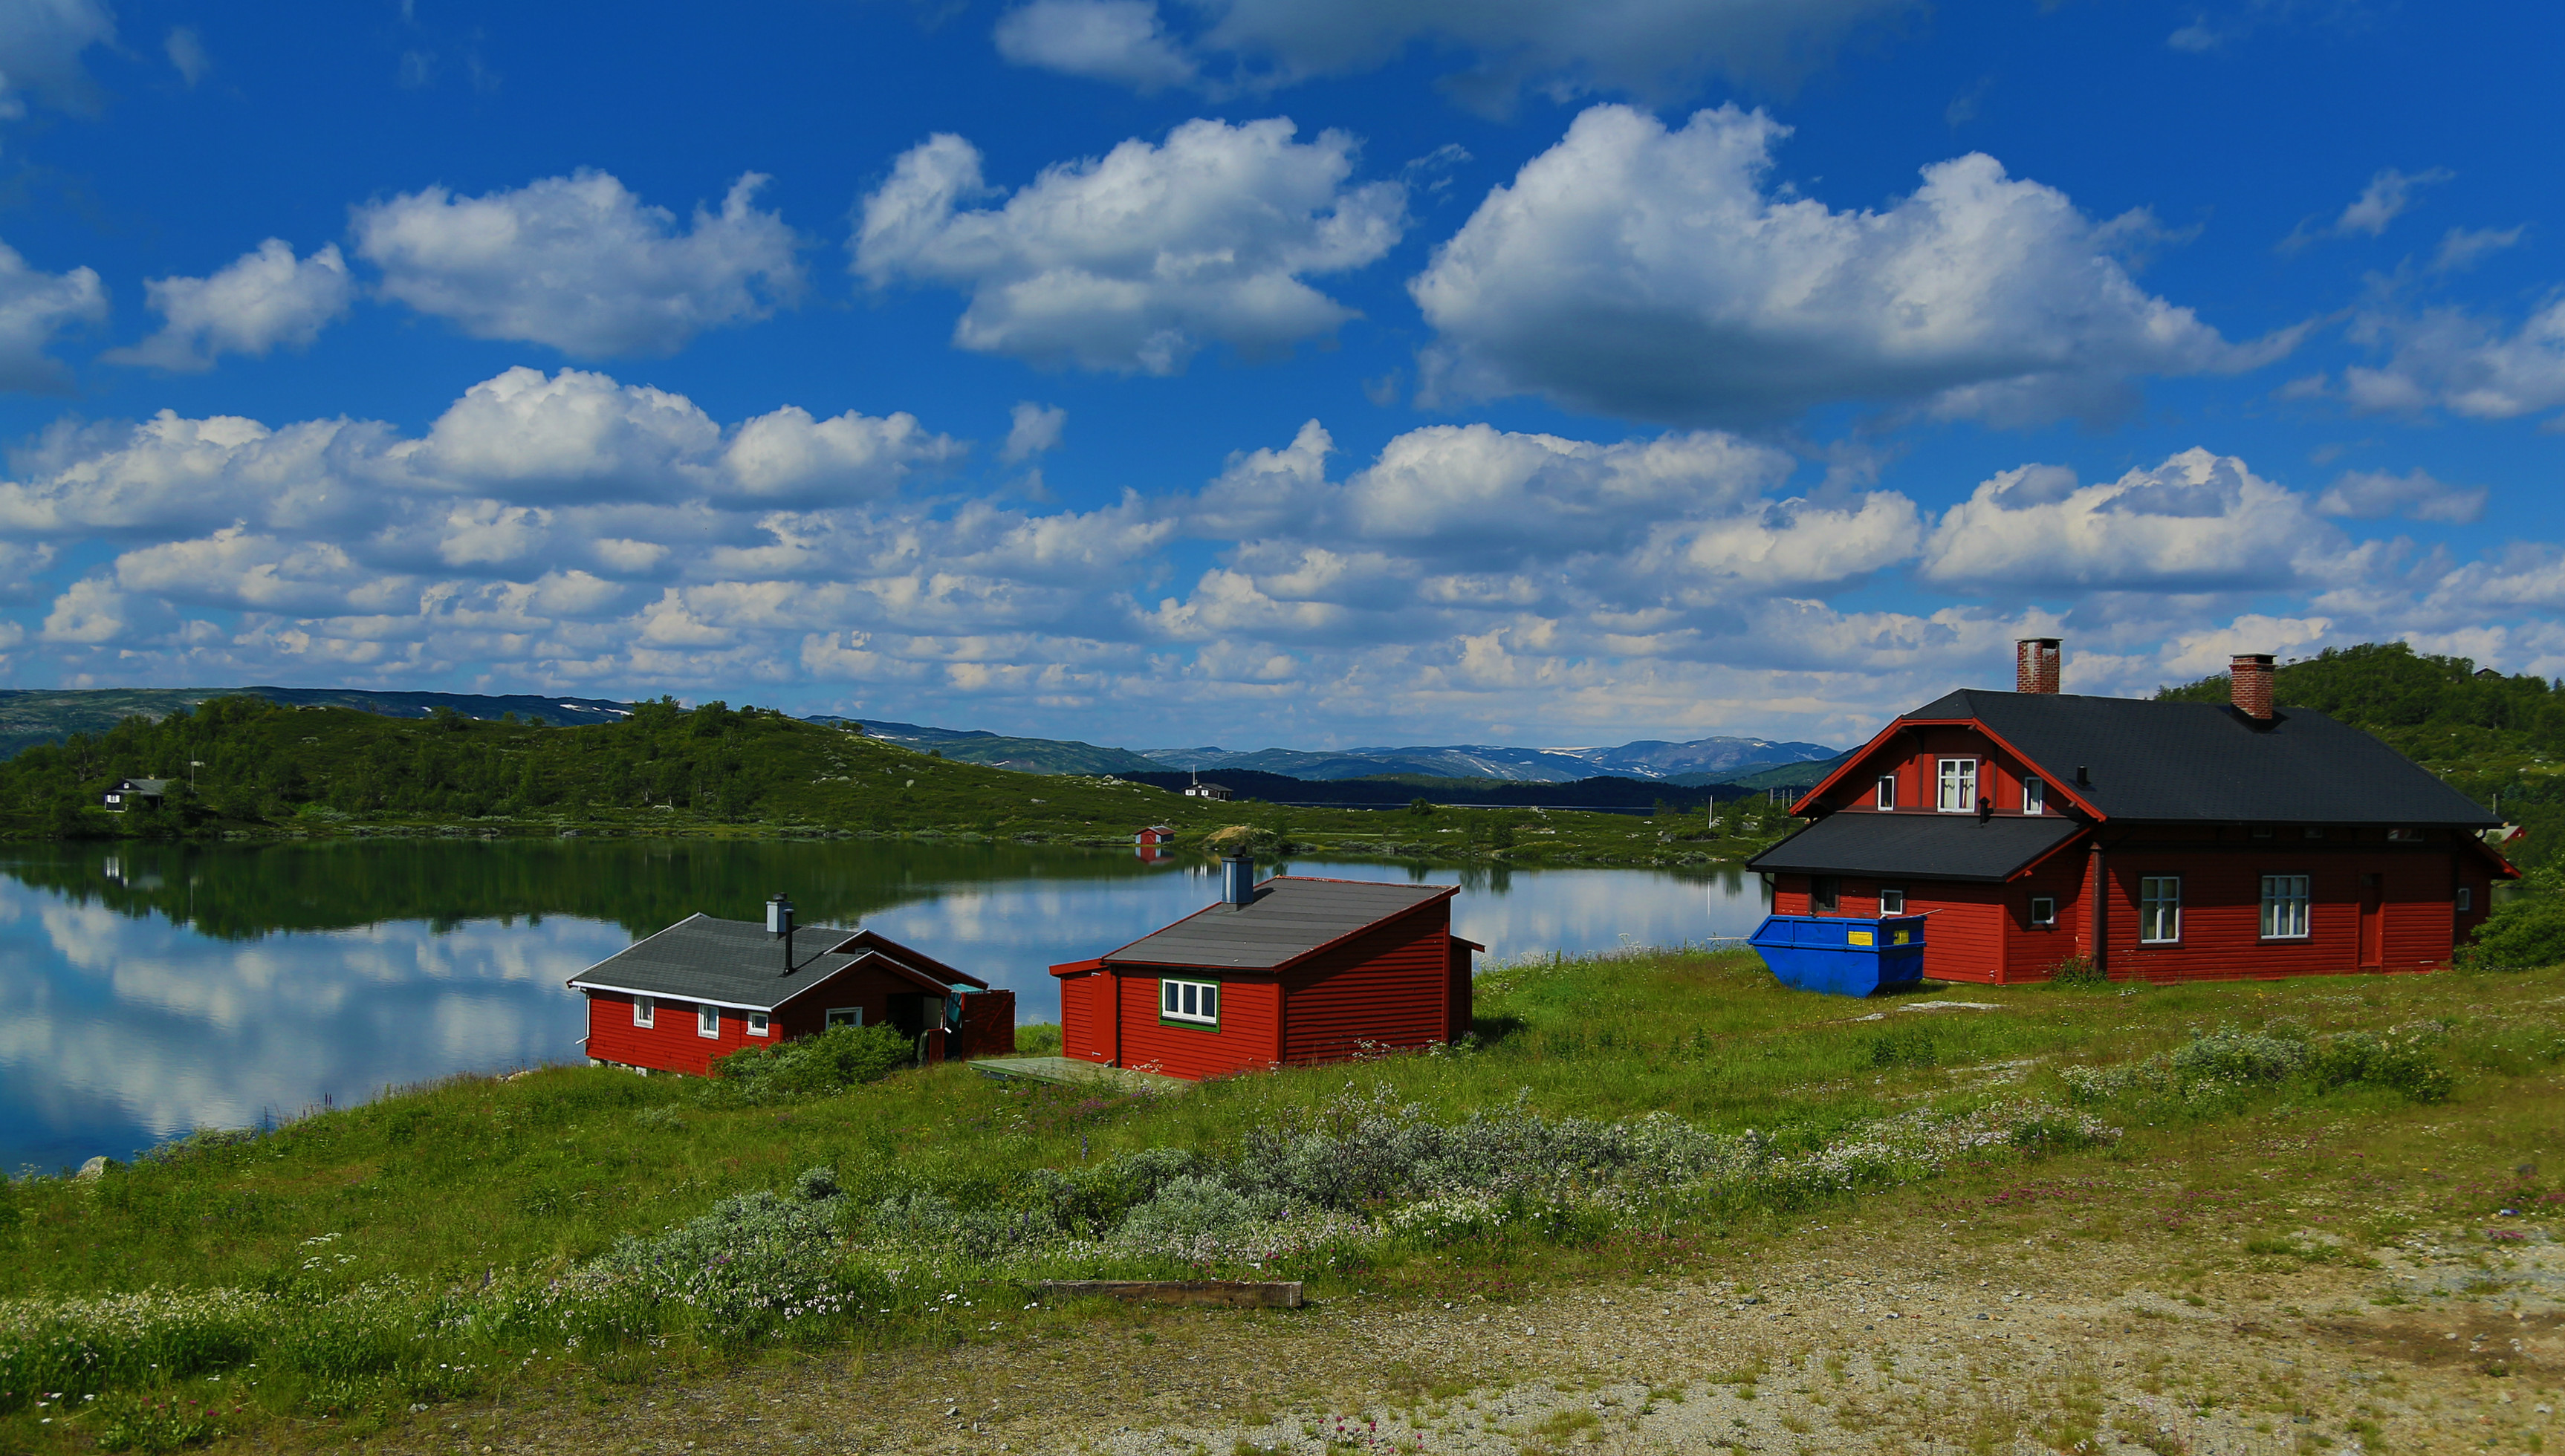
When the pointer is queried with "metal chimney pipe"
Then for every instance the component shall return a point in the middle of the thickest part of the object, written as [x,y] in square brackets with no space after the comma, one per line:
[778,923]
[1238,879]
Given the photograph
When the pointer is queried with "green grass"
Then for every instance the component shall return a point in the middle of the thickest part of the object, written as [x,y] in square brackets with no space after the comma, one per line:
[340,1229]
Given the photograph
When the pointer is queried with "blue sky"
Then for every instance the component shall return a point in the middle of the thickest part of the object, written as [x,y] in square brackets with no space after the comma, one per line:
[1303,372]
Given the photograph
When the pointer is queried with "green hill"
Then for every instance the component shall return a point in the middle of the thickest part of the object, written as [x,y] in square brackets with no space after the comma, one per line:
[2498,740]
[264,769]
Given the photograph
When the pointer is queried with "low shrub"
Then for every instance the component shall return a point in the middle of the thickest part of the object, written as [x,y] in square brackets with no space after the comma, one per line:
[154,1423]
[2525,935]
[2217,1068]
[811,1066]
[2078,973]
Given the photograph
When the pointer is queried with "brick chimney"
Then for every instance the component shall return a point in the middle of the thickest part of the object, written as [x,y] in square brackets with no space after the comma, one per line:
[2034,664]
[2251,675]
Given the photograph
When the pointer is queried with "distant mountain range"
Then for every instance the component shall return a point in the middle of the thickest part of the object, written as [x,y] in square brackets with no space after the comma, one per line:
[1701,761]
[42,716]
[1692,765]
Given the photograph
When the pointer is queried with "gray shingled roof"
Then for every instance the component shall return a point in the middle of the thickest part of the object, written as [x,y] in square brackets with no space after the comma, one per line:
[2205,760]
[1290,917]
[1931,845]
[730,963]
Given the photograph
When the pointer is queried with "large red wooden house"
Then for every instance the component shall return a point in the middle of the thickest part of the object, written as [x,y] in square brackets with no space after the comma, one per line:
[703,989]
[2163,841]
[1293,970]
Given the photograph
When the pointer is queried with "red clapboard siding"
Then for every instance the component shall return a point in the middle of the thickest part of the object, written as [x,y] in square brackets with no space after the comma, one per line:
[1963,941]
[1244,1041]
[1458,1009]
[1082,1018]
[988,1026]
[2221,896]
[670,1046]
[1388,987]
[2031,952]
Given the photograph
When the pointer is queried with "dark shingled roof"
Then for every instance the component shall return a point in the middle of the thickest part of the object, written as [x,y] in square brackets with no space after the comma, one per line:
[2206,760]
[737,963]
[1934,846]
[1290,918]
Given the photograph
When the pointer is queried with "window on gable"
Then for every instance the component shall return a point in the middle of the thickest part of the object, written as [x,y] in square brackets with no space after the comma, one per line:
[2034,796]
[1885,796]
[1197,1001]
[2159,910]
[2284,907]
[1957,787]
[645,1011]
[707,1021]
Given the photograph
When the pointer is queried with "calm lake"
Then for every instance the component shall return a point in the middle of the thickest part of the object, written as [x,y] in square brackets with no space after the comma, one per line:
[145,990]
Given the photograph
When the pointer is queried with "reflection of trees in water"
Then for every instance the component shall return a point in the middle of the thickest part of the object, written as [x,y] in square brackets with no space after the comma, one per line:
[240,892]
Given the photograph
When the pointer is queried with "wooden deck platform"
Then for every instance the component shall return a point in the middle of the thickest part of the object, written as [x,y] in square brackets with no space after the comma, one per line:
[1065,1072]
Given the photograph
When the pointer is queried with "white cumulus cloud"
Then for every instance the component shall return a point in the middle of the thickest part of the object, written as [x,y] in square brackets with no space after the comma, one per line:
[1121,41]
[2368,495]
[1639,272]
[2448,358]
[1134,261]
[1033,429]
[580,264]
[264,298]
[40,42]
[34,306]
[2199,522]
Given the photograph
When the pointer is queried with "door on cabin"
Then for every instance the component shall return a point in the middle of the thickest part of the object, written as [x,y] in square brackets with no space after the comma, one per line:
[2373,915]
[913,1014]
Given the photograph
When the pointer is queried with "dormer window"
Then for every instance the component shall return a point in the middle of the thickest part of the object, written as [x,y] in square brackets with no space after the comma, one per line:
[1957,787]
[2034,796]
[1885,797]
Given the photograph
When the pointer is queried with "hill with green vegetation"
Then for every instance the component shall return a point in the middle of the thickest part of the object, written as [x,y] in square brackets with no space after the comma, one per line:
[2499,739]
[532,1255]
[29,717]
[996,750]
[246,767]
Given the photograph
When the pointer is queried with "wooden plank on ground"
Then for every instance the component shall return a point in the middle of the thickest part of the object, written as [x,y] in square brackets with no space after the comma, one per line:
[1236,1294]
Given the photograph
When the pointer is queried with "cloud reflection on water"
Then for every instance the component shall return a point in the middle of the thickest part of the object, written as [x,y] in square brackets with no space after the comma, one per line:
[118,1029]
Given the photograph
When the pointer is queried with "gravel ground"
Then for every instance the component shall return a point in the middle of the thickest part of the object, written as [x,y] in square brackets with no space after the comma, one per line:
[1917,1346]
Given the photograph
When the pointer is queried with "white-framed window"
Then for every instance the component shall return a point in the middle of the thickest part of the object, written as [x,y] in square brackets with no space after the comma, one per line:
[1190,1000]
[757,1023]
[1825,892]
[2043,910]
[707,1021]
[846,1016]
[645,1011]
[2466,898]
[1892,900]
[1957,783]
[2284,907]
[1885,796]
[2159,908]
[2034,796]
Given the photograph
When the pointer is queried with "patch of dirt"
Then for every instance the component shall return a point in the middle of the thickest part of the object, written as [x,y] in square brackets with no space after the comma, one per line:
[1889,1341]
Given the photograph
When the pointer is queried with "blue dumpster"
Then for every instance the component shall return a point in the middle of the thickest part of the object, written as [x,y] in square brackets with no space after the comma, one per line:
[1840,955]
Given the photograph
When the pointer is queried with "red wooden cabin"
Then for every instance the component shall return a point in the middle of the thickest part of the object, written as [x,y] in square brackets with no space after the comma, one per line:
[1293,971]
[2164,841]
[682,999]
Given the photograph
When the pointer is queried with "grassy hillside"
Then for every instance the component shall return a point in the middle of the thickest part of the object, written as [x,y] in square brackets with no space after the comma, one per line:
[1024,755]
[264,769]
[45,715]
[575,1229]
[2500,740]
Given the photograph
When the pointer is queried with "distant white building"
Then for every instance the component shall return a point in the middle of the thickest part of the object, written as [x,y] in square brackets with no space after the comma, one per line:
[130,791]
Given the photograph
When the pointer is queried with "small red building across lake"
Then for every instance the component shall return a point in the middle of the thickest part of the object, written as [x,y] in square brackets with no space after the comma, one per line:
[2162,840]
[1293,971]
[702,989]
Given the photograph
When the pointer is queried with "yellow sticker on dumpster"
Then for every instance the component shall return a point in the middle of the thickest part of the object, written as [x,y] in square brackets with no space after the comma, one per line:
[1898,938]
[1857,938]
